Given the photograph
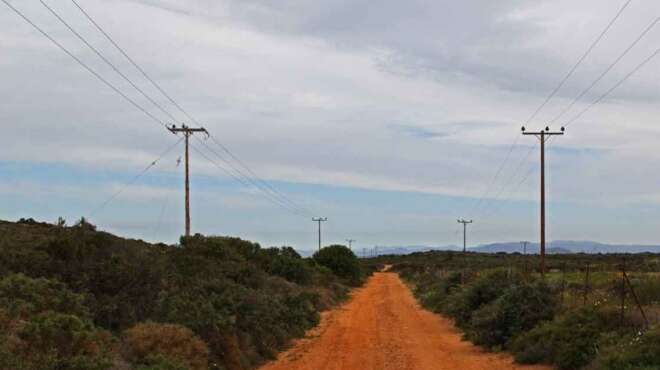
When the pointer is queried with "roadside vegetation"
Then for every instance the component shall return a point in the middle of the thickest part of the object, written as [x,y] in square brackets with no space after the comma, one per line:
[74,298]
[582,315]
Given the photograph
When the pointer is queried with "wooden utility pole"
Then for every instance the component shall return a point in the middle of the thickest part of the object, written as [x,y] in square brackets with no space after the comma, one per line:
[187,132]
[319,220]
[543,136]
[465,223]
[350,243]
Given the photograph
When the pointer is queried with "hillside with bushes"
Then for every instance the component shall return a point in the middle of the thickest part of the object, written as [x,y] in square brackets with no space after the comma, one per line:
[72,297]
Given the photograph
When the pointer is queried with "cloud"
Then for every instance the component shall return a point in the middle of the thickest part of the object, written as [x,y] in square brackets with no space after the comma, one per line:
[410,96]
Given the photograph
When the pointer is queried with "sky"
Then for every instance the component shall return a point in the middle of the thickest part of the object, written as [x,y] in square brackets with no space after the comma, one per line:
[392,119]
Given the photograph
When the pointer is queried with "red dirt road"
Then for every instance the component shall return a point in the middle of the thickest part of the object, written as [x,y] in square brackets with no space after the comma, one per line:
[383,328]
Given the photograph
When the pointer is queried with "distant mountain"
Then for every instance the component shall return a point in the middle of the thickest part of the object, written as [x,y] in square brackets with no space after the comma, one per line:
[389,250]
[567,246]
[554,247]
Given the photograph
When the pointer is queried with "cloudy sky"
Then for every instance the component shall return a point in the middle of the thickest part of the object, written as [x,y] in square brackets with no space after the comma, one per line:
[390,118]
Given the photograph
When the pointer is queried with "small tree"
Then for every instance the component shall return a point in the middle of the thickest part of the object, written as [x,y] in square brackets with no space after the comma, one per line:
[341,261]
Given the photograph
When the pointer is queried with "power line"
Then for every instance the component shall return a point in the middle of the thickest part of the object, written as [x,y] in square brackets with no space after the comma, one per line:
[134,179]
[502,188]
[577,64]
[561,83]
[253,183]
[619,83]
[137,66]
[257,182]
[83,64]
[257,177]
[108,62]
[497,174]
[604,95]
[607,70]
[242,181]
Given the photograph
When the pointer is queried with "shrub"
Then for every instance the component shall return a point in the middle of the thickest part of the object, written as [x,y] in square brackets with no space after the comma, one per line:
[341,261]
[287,263]
[152,344]
[632,352]
[471,297]
[23,297]
[569,342]
[433,292]
[60,341]
[519,309]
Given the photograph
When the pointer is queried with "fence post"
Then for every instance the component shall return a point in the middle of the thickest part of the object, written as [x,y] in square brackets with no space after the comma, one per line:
[623,290]
[586,285]
[563,284]
[632,291]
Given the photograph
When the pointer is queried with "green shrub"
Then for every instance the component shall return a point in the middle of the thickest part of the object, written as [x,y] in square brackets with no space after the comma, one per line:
[22,296]
[433,292]
[341,261]
[633,352]
[287,263]
[520,308]
[569,342]
[159,344]
[484,289]
[58,341]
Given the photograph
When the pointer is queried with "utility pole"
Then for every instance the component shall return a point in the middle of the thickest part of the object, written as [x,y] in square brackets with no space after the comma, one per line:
[350,243]
[465,223]
[364,253]
[187,132]
[319,220]
[543,136]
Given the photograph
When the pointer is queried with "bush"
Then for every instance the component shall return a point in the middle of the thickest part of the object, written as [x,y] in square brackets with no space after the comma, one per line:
[341,261]
[287,263]
[59,341]
[520,308]
[485,289]
[152,344]
[433,292]
[633,352]
[569,342]
[23,297]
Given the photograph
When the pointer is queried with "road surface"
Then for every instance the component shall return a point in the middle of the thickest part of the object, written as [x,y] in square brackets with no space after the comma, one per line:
[383,328]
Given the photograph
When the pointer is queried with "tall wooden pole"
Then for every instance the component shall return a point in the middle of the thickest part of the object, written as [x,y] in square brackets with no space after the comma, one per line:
[543,136]
[543,203]
[187,132]
[187,135]
[319,220]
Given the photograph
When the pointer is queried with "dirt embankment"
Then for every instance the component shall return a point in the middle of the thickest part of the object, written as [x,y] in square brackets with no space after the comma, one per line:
[383,328]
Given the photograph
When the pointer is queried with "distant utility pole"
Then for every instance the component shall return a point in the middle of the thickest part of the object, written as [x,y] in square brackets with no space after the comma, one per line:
[319,220]
[465,223]
[187,132]
[350,243]
[543,136]
[364,252]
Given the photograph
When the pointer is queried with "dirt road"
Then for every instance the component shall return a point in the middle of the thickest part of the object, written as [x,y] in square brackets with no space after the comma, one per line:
[383,328]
